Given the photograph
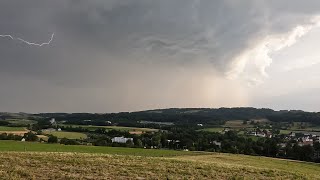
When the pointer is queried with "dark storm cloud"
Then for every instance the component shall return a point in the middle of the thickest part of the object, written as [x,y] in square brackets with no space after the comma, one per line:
[108,43]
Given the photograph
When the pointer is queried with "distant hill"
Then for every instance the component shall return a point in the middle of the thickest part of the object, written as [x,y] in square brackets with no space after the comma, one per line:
[177,116]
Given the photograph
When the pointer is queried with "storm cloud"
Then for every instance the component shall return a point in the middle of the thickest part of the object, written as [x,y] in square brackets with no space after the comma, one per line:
[111,55]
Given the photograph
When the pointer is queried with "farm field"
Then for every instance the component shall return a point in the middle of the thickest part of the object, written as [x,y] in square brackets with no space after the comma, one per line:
[6,128]
[300,131]
[44,147]
[41,165]
[216,129]
[301,170]
[236,124]
[20,131]
[120,128]
[21,121]
[69,135]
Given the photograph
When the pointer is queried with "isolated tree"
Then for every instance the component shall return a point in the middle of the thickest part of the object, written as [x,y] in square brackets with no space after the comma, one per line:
[53,139]
[129,143]
[30,136]
[139,143]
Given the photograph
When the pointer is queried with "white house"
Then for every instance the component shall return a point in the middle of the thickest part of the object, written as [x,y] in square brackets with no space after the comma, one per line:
[121,139]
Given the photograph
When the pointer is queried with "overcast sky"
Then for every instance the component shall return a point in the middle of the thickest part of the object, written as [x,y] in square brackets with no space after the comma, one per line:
[127,55]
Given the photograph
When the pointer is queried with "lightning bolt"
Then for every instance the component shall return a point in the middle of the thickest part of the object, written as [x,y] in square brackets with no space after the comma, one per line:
[27,42]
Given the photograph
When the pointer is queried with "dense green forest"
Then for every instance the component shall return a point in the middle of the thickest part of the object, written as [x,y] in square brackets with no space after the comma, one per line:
[186,116]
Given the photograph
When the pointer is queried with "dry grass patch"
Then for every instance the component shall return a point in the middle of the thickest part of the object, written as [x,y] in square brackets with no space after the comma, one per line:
[97,166]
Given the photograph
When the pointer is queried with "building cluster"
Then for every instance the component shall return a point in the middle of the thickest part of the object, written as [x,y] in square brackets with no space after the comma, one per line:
[260,133]
[303,139]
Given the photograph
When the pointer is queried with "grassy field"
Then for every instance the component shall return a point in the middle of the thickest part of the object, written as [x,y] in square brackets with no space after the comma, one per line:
[217,129]
[120,128]
[272,168]
[69,135]
[43,147]
[5,128]
[35,165]
[88,162]
[285,131]
[21,121]
[300,131]
[237,124]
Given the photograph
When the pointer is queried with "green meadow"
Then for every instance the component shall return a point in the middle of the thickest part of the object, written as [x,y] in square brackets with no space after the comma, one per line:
[69,135]
[6,128]
[26,160]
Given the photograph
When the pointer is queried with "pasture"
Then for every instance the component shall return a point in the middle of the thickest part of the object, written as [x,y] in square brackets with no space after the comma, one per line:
[27,160]
[69,135]
[18,146]
[13,130]
[237,124]
[41,165]
[215,129]
[6,128]
[23,122]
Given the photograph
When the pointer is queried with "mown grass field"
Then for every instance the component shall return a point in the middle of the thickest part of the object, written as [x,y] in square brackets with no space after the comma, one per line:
[69,135]
[23,160]
[40,165]
[44,147]
[6,128]
[271,168]
[119,128]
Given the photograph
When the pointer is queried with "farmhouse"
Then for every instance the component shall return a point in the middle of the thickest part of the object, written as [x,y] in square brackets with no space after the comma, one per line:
[120,139]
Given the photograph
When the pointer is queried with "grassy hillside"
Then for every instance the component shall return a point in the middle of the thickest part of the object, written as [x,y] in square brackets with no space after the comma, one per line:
[97,166]
[87,162]
[300,169]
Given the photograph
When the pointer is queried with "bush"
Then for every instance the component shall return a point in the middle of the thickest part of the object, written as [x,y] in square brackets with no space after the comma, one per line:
[30,137]
[53,139]
[66,141]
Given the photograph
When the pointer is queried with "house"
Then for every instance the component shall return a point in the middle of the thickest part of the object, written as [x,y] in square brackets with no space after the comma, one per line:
[304,141]
[226,130]
[121,139]
[253,133]
[292,134]
[261,134]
